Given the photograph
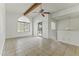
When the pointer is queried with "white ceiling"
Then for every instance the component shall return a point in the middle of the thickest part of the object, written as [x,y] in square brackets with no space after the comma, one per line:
[22,7]
[17,7]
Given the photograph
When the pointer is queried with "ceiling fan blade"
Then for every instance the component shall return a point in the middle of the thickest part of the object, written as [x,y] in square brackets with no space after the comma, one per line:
[35,12]
[46,12]
[43,15]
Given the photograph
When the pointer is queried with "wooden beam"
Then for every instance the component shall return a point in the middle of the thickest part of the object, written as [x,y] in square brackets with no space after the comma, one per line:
[35,5]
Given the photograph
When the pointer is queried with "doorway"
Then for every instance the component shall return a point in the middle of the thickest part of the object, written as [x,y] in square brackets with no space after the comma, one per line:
[39,33]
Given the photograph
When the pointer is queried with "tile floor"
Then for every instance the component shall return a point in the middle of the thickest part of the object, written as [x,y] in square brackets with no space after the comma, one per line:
[37,46]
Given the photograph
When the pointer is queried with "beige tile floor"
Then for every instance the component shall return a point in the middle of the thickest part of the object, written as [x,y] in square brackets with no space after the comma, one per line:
[37,46]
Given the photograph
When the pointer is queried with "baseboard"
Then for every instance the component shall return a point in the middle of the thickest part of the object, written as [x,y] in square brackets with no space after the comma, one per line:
[69,43]
[19,37]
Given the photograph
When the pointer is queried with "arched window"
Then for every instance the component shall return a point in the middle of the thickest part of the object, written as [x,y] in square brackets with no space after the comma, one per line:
[23,24]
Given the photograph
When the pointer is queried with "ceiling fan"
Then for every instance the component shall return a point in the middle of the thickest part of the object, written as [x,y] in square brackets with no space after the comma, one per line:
[42,12]
[30,9]
[34,6]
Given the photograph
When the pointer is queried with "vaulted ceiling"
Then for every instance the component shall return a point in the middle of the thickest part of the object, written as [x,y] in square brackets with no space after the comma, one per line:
[20,8]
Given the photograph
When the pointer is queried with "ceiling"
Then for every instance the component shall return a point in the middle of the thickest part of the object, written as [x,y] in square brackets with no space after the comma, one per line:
[20,8]
[17,7]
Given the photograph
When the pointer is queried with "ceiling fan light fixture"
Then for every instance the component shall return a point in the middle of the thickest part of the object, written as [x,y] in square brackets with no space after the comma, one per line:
[42,10]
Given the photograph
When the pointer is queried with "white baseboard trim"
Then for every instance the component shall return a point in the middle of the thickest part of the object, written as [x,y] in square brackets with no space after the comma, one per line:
[74,44]
[19,37]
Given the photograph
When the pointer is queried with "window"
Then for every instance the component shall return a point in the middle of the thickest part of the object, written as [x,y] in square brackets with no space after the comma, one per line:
[53,25]
[23,26]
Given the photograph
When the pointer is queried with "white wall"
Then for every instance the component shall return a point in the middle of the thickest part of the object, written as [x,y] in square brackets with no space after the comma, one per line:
[45,26]
[51,33]
[47,31]
[35,24]
[68,31]
[2,26]
[38,19]
[11,26]
[68,25]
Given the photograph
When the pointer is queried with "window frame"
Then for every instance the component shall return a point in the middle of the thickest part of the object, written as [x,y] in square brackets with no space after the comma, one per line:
[19,29]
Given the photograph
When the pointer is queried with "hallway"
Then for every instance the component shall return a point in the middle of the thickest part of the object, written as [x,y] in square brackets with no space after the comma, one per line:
[37,46]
